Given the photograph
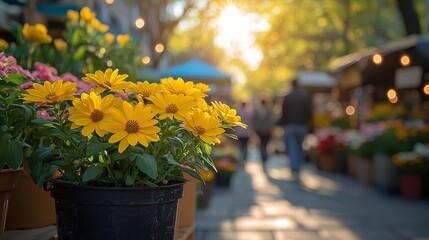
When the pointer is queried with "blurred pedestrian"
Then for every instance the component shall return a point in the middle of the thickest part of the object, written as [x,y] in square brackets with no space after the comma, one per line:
[245,111]
[296,116]
[263,121]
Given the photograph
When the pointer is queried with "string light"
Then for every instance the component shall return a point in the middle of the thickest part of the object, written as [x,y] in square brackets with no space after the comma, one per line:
[145,59]
[405,60]
[139,22]
[110,2]
[393,100]
[391,94]
[377,59]
[350,110]
[159,48]
[426,89]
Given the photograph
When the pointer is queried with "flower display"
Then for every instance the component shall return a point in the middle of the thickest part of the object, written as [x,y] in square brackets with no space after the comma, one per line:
[225,156]
[328,140]
[415,161]
[385,111]
[37,33]
[149,139]
[85,46]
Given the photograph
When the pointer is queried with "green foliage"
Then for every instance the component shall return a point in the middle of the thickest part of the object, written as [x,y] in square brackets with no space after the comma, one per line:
[15,126]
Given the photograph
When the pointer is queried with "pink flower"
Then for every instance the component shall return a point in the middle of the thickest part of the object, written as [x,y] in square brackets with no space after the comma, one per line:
[44,72]
[123,96]
[68,77]
[26,85]
[44,114]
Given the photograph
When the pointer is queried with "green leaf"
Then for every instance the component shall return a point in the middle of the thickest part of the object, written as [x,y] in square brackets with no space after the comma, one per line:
[147,164]
[233,136]
[150,184]
[15,78]
[80,52]
[129,180]
[193,173]
[92,172]
[41,121]
[11,151]
[97,148]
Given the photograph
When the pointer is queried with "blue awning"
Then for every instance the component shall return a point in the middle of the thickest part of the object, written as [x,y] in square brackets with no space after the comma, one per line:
[195,69]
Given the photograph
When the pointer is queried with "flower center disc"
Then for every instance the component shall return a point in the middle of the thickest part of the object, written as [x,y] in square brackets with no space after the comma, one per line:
[107,83]
[132,126]
[200,130]
[97,115]
[171,108]
[146,94]
[50,95]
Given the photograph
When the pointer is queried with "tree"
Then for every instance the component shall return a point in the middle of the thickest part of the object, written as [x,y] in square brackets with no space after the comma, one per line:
[409,16]
[162,17]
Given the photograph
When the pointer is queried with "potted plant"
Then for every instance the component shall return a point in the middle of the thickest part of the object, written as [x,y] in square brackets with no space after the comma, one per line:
[412,167]
[352,139]
[122,158]
[327,147]
[15,119]
[205,190]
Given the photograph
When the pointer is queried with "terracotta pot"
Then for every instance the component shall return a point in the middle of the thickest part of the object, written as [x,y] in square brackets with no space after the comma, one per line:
[365,171]
[351,165]
[8,181]
[186,210]
[328,162]
[412,185]
[30,206]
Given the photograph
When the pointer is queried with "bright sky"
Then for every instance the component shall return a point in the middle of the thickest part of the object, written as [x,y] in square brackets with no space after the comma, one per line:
[236,34]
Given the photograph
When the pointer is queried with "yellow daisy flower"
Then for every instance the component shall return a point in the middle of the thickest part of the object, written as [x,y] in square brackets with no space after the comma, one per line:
[50,93]
[202,104]
[171,105]
[109,38]
[3,44]
[178,86]
[201,124]
[227,114]
[86,15]
[72,15]
[90,111]
[95,23]
[103,28]
[132,124]
[37,33]
[109,80]
[204,88]
[143,89]
[123,39]
[60,44]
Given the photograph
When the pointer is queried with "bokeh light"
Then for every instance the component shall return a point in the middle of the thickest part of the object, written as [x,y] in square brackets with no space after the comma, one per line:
[139,22]
[377,59]
[146,60]
[159,48]
[405,60]
[350,110]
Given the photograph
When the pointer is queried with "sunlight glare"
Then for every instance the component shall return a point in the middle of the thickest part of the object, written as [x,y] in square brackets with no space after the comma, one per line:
[236,34]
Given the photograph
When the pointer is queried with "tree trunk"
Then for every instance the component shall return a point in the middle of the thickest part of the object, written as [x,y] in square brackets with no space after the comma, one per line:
[409,15]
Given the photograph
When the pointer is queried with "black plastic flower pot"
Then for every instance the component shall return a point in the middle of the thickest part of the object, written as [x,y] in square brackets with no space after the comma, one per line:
[120,213]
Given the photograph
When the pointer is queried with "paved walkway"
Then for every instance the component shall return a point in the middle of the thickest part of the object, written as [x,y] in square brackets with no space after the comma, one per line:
[271,206]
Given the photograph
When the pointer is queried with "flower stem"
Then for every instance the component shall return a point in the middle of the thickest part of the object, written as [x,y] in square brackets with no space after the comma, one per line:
[109,171]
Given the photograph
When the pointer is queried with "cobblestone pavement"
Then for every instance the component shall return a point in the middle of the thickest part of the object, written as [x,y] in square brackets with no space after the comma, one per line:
[270,206]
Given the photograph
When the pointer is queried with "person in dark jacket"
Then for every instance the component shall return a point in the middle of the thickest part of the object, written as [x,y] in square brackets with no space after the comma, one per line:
[296,117]
[263,121]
